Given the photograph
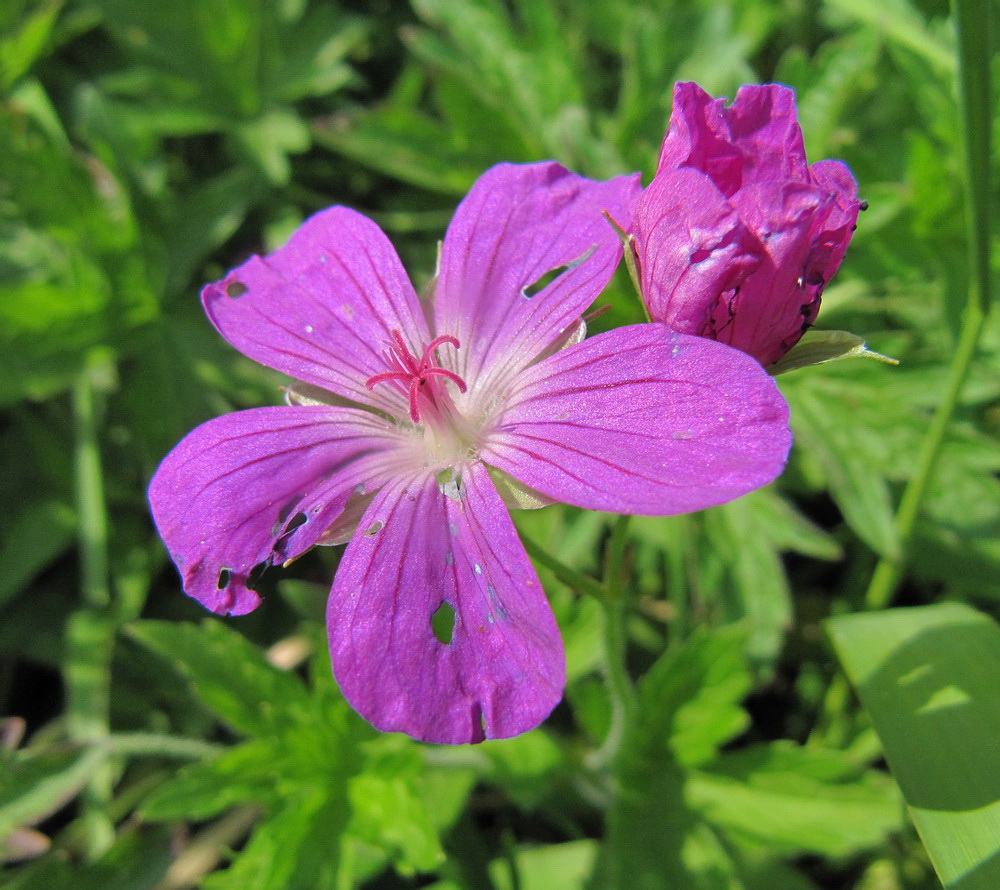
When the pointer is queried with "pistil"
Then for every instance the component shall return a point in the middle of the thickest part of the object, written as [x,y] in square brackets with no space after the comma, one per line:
[416,377]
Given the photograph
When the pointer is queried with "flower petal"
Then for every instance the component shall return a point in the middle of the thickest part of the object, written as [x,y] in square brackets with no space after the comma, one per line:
[322,307]
[755,139]
[780,300]
[256,487]
[643,420]
[834,178]
[693,249]
[503,670]
[697,136]
[518,224]
[763,122]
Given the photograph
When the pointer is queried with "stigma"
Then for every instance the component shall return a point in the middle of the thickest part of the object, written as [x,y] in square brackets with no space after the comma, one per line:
[420,379]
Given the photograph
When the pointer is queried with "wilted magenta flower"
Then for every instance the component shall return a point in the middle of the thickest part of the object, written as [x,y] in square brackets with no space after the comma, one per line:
[413,418]
[736,236]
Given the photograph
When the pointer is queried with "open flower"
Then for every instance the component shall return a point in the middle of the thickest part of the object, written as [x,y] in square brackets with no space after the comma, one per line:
[409,412]
[736,236]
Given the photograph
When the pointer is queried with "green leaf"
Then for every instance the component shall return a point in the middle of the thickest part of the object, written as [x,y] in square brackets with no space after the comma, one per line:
[690,699]
[796,801]
[299,845]
[22,42]
[34,537]
[242,774]
[753,565]
[35,785]
[407,145]
[829,420]
[230,675]
[388,811]
[688,707]
[525,766]
[828,84]
[902,23]
[957,538]
[930,680]
[566,866]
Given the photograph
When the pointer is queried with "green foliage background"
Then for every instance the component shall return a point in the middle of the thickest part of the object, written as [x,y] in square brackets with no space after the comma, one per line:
[147,148]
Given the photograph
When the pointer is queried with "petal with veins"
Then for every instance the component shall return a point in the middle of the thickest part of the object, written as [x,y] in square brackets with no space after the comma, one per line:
[518,224]
[694,250]
[261,486]
[322,308]
[643,420]
[503,670]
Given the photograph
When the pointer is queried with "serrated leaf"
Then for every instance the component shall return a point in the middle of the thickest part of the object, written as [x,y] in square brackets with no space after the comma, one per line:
[390,813]
[298,845]
[404,144]
[230,675]
[240,775]
[753,562]
[524,766]
[690,698]
[796,801]
[824,421]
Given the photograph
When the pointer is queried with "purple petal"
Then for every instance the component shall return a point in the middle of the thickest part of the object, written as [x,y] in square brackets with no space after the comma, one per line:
[693,249]
[764,124]
[643,420]
[780,300]
[257,487]
[518,223]
[755,139]
[834,178]
[322,307]
[503,670]
[698,137]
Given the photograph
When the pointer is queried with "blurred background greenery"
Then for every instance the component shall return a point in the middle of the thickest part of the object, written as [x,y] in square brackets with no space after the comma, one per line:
[146,148]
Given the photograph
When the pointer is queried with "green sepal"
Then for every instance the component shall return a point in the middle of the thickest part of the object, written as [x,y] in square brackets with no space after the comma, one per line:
[516,495]
[631,258]
[817,347]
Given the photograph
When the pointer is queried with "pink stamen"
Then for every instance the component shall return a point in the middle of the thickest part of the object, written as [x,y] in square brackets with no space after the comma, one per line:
[413,375]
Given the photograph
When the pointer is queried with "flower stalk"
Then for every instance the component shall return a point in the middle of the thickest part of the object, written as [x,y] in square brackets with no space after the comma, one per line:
[90,631]
[972,22]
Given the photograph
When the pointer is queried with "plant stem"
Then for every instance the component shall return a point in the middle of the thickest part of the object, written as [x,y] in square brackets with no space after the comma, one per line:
[581,583]
[973,26]
[93,523]
[888,572]
[614,642]
[143,744]
[90,630]
[621,691]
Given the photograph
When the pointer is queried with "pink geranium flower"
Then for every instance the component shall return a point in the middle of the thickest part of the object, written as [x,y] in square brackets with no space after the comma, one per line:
[410,412]
[736,236]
